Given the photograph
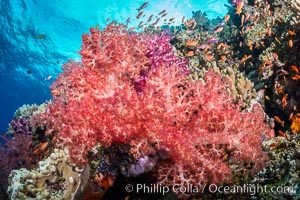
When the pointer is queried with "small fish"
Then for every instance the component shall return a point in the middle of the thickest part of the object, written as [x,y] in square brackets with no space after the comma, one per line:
[190,53]
[279,121]
[128,20]
[183,18]
[222,23]
[150,18]
[295,69]
[191,43]
[226,18]
[156,21]
[247,17]
[172,19]
[283,100]
[238,12]
[43,146]
[291,32]
[48,78]
[55,92]
[41,36]
[296,77]
[290,43]
[275,56]
[218,29]
[242,20]
[144,5]
[240,44]
[223,58]
[140,26]
[273,21]
[139,15]
[203,46]
[250,47]
[267,97]
[127,197]
[107,20]
[165,14]
[162,12]
[240,5]
[277,40]
[208,57]
[28,71]
[212,40]
[281,133]
[291,116]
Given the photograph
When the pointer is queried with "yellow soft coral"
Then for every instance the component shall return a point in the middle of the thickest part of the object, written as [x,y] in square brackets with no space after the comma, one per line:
[295,127]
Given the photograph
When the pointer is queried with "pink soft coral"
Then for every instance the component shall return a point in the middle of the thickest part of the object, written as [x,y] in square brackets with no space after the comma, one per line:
[128,87]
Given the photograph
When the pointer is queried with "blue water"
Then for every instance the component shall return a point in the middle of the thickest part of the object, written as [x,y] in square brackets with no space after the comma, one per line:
[37,36]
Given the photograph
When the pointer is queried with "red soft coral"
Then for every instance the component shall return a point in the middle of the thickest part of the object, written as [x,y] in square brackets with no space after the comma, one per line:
[122,93]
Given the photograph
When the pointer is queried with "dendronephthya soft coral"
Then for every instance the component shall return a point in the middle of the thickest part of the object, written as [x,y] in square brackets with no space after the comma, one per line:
[131,87]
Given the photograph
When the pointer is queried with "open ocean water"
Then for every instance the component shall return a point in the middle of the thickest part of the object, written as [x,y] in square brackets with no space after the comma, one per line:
[23,47]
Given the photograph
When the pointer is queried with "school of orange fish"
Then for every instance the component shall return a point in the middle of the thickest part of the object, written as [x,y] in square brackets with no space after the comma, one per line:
[257,39]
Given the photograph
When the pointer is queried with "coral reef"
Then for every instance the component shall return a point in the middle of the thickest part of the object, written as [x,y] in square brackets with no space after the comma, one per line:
[54,178]
[181,105]
[296,8]
[15,153]
[24,144]
[148,96]
[283,169]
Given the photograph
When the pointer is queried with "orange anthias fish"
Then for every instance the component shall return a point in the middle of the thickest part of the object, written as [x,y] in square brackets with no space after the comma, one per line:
[44,145]
[296,77]
[219,29]
[139,15]
[55,92]
[226,18]
[240,5]
[290,32]
[279,121]
[290,43]
[190,53]
[239,8]
[295,69]
[191,43]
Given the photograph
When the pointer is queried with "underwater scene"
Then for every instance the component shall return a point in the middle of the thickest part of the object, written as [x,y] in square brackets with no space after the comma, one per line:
[150,100]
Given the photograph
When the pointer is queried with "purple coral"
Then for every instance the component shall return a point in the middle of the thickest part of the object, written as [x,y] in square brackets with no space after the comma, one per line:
[15,153]
[21,125]
[160,52]
[236,2]
[143,165]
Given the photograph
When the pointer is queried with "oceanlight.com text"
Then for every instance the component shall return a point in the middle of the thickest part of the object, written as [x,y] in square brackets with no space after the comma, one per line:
[250,189]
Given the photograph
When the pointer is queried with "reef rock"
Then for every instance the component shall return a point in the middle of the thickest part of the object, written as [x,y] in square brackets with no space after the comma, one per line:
[55,178]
